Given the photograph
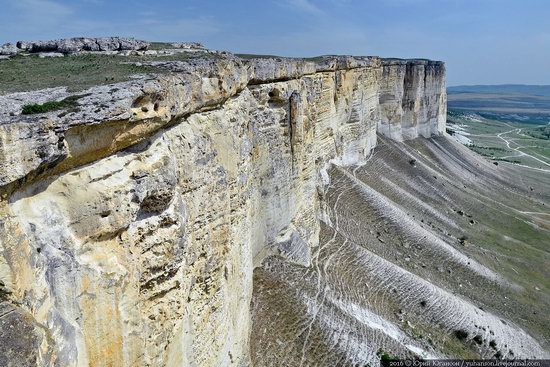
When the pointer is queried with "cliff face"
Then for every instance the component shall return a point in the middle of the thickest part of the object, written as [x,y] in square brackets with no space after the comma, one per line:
[130,228]
[412,99]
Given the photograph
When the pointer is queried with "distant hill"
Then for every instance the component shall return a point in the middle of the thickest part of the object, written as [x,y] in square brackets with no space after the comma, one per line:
[509,102]
[535,90]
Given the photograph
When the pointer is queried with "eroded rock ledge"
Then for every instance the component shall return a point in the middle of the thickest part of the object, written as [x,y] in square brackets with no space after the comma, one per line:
[412,102]
[130,226]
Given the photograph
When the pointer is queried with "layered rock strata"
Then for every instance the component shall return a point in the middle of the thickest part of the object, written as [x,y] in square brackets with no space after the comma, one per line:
[411,100]
[130,226]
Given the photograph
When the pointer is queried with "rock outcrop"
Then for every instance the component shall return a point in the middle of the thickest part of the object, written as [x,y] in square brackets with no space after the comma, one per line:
[188,45]
[77,44]
[411,100]
[8,49]
[130,226]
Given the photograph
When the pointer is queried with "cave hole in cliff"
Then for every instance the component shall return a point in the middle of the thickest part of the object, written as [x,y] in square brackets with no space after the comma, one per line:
[141,101]
[145,101]
[276,98]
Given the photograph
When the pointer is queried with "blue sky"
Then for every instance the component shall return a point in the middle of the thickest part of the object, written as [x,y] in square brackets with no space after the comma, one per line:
[482,41]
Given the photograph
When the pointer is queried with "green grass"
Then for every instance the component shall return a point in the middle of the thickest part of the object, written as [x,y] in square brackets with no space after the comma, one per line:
[385,356]
[531,139]
[455,344]
[542,132]
[69,102]
[76,72]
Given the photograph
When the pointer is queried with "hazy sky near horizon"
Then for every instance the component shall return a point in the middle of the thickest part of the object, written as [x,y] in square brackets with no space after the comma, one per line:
[482,41]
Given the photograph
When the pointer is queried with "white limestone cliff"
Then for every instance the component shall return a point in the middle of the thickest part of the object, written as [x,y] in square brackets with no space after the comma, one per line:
[411,99]
[129,229]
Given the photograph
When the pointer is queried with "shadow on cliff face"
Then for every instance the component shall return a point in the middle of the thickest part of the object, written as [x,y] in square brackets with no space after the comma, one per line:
[441,258]
[20,337]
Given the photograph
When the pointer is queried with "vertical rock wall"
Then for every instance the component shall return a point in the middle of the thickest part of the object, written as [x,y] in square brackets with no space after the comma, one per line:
[144,254]
[413,99]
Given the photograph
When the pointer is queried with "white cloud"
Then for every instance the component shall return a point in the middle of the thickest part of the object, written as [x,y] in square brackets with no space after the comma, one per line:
[306,6]
[51,19]
[32,17]
[161,28]
[44,8]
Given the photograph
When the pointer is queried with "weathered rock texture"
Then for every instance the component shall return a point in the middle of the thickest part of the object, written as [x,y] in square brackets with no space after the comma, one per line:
[188,45]
[130,227]
[73,45]
[411,100]
[390,272]
[8,49]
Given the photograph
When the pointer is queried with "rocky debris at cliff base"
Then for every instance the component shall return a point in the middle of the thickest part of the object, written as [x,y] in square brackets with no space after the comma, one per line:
[349,302]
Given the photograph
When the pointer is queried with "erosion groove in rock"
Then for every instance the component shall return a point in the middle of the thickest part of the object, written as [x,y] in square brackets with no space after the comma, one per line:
[383,278]
[131,225]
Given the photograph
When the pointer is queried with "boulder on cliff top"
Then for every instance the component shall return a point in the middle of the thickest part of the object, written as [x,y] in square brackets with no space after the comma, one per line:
[188,45]
[77,44]
[8,49]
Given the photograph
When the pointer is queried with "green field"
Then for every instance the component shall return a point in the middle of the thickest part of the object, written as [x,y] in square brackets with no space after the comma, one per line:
[501,140]
[77,72]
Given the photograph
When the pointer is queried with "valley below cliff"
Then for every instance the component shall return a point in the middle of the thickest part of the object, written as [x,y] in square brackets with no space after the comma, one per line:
[427,251]
[206,209]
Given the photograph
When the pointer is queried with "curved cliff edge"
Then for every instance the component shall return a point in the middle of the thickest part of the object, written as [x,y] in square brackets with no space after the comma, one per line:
[175,183]
[130,225]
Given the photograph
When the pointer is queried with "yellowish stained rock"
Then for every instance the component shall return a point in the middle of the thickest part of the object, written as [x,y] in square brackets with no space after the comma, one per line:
[131,239]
